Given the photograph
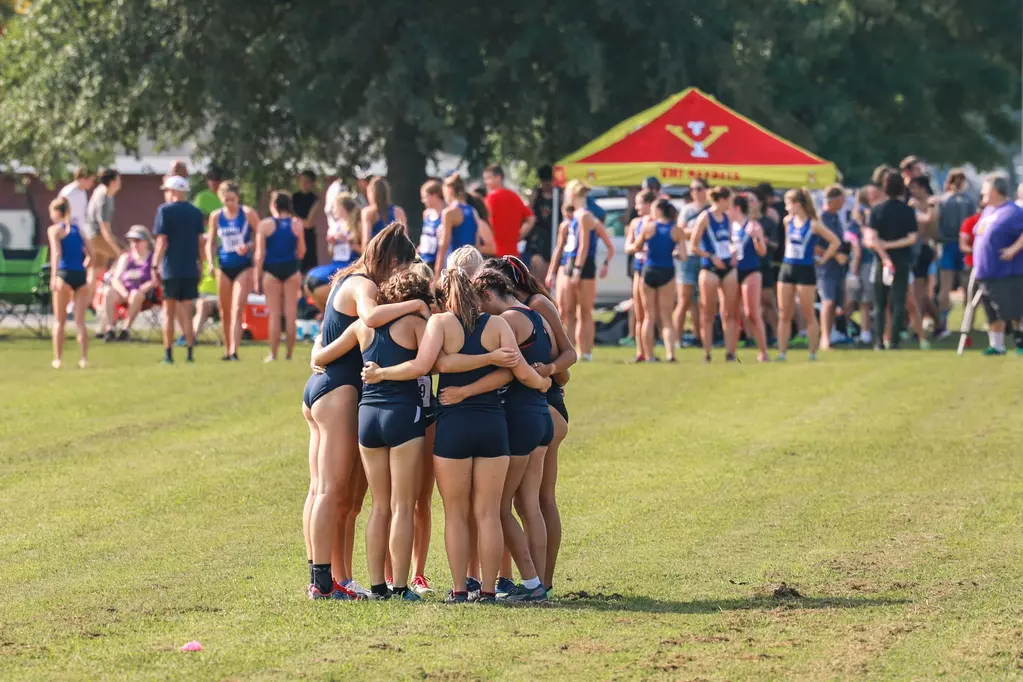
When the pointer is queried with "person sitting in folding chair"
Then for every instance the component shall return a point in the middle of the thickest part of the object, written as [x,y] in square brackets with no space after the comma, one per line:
[132,284]
[998,262]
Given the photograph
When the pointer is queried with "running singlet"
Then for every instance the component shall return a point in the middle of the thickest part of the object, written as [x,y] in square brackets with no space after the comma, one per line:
[341,254]
[799,243]
[535,349]
[746,252]
[717,239]
[72,250]
[281,244]
[136,272]
[572,244]
[386,352]
[660,247]
[333,326]
[428,237]
[379,225]
[472,345]
[466,233]
[640,256]
[233,233]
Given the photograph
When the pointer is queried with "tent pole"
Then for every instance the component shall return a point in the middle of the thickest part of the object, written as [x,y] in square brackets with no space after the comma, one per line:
[555,221]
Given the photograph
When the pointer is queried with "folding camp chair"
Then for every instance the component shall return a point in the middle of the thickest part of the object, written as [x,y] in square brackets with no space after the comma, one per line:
[972,301]
[150,316]
[25,287]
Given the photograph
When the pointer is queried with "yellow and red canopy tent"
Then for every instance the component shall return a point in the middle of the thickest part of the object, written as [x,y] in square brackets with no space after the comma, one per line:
[692,135]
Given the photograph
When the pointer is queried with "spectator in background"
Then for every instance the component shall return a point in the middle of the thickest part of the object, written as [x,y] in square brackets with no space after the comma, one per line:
[207,200]
[956,207]
[77,194]
[306,203]
[132,283]
[540,242]
[764,213]
[688,278]
[859,287]
[179,230]
[99,225]
[179,168]
[831,273]
[1019,195]
[998,261]
[891,235]
[921,303]
[911,167]
[510,218]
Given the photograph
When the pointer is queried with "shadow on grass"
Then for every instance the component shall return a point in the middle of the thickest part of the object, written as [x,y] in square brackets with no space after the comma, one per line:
[638,604]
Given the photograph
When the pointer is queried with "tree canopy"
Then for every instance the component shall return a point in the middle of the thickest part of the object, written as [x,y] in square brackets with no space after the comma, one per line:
[264,85]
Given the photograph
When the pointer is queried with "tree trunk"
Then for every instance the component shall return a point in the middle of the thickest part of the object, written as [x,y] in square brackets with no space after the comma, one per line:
[406,172]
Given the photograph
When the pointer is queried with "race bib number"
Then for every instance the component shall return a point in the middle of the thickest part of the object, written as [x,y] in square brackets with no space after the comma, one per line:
[571,243]
[342,251]
[425,391]
[232,242]
[723,250]
[428,244]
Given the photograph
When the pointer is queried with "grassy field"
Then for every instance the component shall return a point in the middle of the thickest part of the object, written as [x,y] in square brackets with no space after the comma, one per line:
[143,506]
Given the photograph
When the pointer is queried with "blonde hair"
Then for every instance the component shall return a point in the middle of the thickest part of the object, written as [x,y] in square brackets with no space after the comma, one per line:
[62,207]
[468,258]
[459,297]
[576,188]
[802,197]
[422,269]
[351,208]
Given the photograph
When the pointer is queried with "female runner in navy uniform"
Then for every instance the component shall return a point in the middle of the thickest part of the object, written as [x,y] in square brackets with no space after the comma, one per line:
[644,202]
[798,276]
[381,211]
[750,247]
[471,452]
[70,253]
[230,233]
[280,245]
[330,406]
[712,242]
[662,238]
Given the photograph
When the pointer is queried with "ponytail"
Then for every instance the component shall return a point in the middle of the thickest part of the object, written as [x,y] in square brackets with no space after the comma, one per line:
[521,278]
[459,297]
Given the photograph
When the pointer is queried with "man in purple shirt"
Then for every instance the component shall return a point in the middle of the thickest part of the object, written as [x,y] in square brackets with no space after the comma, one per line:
[998,260]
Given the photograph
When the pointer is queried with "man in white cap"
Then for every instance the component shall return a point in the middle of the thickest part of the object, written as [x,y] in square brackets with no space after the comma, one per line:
[179,230]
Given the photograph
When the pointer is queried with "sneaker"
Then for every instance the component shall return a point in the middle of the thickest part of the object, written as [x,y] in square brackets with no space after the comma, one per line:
[109,337]
[1019,351]
[181,342]
[763,357]
[358,589]
[409,595]
[336,595]
[505,586]
[338,587]
[729,357]
[389,581]
[522,594]
[992,351]
[226,358]
[812,357]
[586,357]
[473,585]
[125,335]
[925,344]
[456,597]
[482,598]
[373,596]
[420,585]
[780,358]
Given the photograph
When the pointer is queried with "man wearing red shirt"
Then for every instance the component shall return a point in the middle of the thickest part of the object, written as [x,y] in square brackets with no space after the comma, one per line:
[510,217]
[966,235]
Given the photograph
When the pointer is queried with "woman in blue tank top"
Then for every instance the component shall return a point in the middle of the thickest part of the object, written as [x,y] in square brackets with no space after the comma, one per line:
[280,245]
[461,224]
[719,283]
[472,436]
[381,212]
[331,409]
[343,242]
[69,255]
[432,196]
[750,247]
[798,276]
[229,250]
[662,238]
[644,203]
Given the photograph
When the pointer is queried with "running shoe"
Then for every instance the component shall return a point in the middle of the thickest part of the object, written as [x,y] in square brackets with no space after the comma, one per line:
[373,596]
[420,585]
[522,594]
[780,358]
[389,581]
[586,357]
[925,344]
[763,357]
[109,337]
[473,585]
[338,587]
[482,598]
[812,357]
[125,335]
[505,585]
[409,595]
[992,351]
[358,589]
[1019,351]
[336,595]
[181,342]
[456,598]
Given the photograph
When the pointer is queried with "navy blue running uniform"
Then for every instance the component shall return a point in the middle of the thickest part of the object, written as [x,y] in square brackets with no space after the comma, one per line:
[529,421]
[390,412]
[476,426]
[281,258]
[347,369]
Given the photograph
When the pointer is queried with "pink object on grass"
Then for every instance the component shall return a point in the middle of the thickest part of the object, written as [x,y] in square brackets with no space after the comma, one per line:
[192,646]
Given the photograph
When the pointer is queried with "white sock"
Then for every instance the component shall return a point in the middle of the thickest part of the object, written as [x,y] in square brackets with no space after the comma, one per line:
[997,340]
[531,584]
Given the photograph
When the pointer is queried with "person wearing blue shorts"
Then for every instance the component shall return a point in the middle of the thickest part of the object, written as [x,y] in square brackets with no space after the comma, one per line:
[688,279]
[956,206]
[831,273]
[662,237]
[69,254]
[472,447]
[343,240]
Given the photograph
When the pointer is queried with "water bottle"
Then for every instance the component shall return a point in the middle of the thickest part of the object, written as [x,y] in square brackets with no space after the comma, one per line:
[888,276]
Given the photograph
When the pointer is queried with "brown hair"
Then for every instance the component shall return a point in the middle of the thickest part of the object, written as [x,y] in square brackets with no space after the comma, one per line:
[455,183]
[83,172]
[405,286]
[802,197]
[719,193]
[281,201]
[379,196]
[432,187]
[228,186]
[519,275]
[648,196]
[490,279]
[61,206]
[494,169]
[908,163]
[459,297]
[386,252]
[834,191]
[347,202]
[894,186]
[955,180]
[880,173]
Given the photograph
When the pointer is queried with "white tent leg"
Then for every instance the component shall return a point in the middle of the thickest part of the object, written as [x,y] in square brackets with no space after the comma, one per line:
[972,301]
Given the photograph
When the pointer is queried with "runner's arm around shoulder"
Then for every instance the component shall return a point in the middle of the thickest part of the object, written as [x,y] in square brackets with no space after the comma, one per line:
[566,352]
[324,355]
[426,356]
[522,371]
[374,315]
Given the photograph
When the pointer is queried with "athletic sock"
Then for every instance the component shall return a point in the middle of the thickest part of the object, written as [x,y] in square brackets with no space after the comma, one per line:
[380,590]
[190,349]
[531,584]
[168,355]
[997,340]
[400,591]
[492,595]
[312,578]
[322,579]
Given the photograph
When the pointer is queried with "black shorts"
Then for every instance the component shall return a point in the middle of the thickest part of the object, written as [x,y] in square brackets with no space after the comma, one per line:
[73,278]
[232,273]
[282,271]
[556,399]
[720,272]
[743,274]
[589,270]
[923,262]
[320,385]
[181,288]
[655,277]
[1002,298]
[770,273]
[528,430]
[801,275]
[311,258]
[465,433]
[390,425]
